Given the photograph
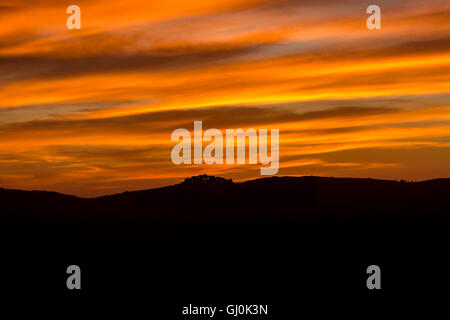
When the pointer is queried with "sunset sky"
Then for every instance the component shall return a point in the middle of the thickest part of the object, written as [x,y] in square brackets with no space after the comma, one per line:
[91,111]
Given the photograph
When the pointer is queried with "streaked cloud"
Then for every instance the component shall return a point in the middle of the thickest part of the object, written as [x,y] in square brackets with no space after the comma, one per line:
[91,111]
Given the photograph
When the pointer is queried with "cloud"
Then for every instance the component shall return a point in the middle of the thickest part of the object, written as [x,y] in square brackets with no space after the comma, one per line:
[91,111]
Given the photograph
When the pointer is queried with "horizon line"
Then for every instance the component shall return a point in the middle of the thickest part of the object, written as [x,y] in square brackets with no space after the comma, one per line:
[249,180]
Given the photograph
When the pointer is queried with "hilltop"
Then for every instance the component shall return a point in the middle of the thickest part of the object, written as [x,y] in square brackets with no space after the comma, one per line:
[268,203]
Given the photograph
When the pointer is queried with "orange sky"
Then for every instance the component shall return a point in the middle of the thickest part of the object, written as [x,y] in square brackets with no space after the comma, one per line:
[91,111]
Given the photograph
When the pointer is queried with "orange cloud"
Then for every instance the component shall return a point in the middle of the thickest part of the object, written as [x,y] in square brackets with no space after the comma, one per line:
[91,111]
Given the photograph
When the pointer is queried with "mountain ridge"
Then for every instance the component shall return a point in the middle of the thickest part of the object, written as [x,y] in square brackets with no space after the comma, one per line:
[265,179]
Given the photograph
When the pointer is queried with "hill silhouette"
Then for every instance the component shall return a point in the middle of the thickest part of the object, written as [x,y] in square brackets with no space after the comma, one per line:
[249,239]
[261,204]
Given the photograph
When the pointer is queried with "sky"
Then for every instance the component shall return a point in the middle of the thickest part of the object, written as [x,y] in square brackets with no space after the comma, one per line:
[91,112]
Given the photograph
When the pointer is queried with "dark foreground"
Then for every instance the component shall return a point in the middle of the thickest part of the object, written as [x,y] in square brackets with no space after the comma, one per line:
[295,244]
